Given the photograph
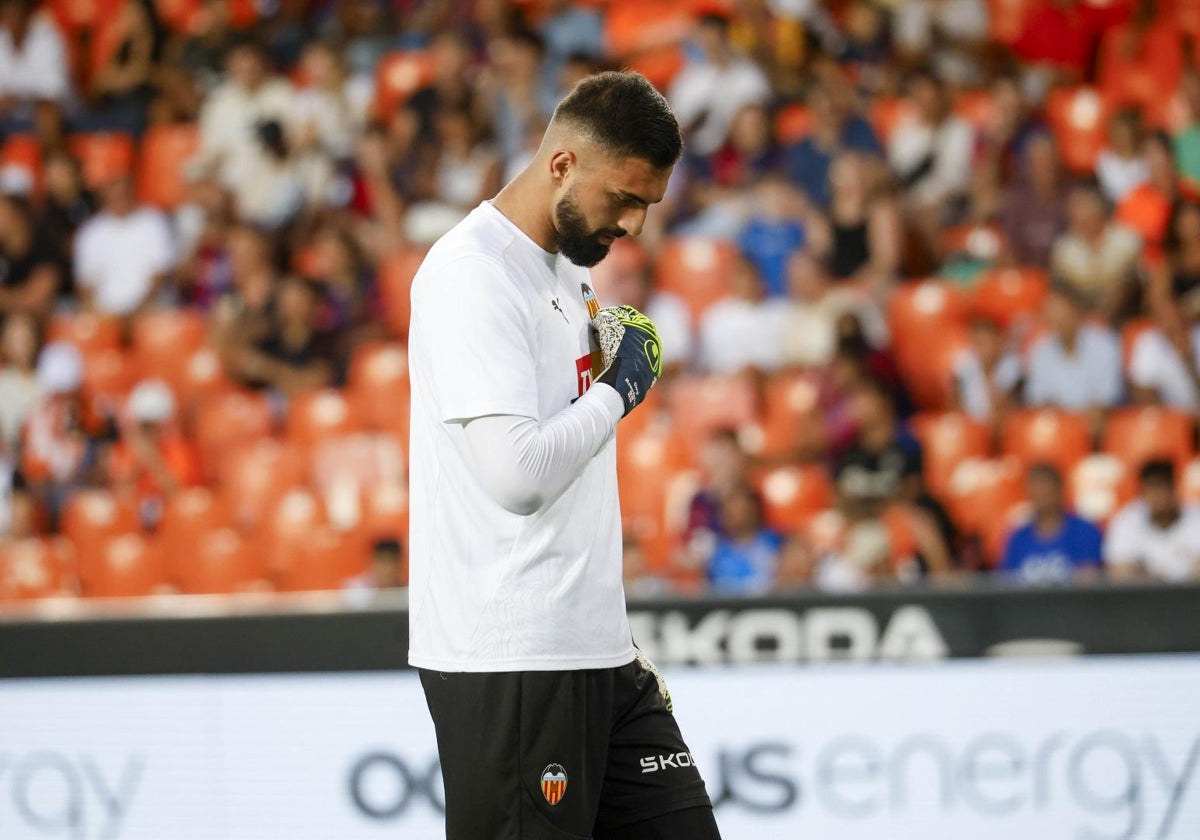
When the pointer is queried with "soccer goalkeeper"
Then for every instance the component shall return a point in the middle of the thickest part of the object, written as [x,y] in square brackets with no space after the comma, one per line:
[550,724]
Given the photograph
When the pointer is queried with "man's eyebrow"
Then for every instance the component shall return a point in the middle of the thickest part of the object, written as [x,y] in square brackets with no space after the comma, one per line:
[636,199]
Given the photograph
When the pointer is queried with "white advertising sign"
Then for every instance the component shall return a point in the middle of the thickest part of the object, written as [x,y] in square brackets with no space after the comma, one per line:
[1088,749]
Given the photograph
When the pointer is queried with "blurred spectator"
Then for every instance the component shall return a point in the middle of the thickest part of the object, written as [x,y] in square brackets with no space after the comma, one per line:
[1155,536]
[748,152]
[387,569]
[627,272]
[746,554]
[713,86]
[724,467]
[1055,546]
[931,154]
[814,305]
[1146,209]
[293,356]
[987,375]
[1187,141]
[278,183]
[640,580]
[1014,123]
[18,510]
[1164,367]
[34,67]
[324,117]
[29,271]
[834,128]
[152,460]
[1120,166]
[468,168]
[19,340]
[243,315]
[203,225]
[862,239]
[65,206]
[1034,208]
[513,89]
[204,52]
[947,32]
[744,329]
[1177,278]
[123,254]
[1077,365]
[452,86]
[1095,256]
[777,226]
[123,87]
[569,30]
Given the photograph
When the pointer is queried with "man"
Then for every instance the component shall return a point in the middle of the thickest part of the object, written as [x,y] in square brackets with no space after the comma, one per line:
[1155,536]
[550,724]
[1056,546]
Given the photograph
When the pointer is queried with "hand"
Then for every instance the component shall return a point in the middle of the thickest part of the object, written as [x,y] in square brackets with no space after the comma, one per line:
[632,353]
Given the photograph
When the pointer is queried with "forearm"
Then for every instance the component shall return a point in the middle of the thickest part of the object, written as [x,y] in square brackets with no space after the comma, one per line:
[526,464]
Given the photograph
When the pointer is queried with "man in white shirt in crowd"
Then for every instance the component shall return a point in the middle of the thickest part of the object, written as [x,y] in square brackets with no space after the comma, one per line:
[1164,368]
[550,724]
[707,94]
[1155,536]
[123,254]
[33,63]
[744,329]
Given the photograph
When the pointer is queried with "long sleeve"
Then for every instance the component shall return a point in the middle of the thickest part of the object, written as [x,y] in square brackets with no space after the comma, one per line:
[526,464]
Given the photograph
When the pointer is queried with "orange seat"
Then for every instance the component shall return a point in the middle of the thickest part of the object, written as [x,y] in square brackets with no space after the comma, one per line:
[946,441]
[163,343]
[888,113]
[83,14]
[634,26]
[182,16]
[1098,486]
[344,467]
[699,270]
[1137,435]
[792,124]
[318,414]
[789,405]
[185,516]
[1146,212]
[1078,118]
[129,565]
[253,477]
[90,518]
[219,562]
[229,419]
[701,405]
[1047,435]
[981,489]
[383,512]
[396,273]
[1184,14]
[288,527]
[201,376]
[379,387]
[660,65]
[326,560]
[1007,18]
[927,320]
[978,107]
[88,331]
[108,376]
[979,242]
[791,495]
[164,154]
[646,466]
[1143,70]
[1011,295]
[398,76]
[22,151]
[103,156]
[35,568]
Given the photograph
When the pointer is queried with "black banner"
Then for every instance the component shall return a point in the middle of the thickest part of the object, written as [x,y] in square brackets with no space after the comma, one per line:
[887,626]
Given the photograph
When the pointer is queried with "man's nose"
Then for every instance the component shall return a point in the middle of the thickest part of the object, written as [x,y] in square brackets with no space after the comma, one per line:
[632,221]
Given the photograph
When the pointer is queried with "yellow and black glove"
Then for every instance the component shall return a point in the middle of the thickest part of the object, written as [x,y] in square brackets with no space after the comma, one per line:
[631,351]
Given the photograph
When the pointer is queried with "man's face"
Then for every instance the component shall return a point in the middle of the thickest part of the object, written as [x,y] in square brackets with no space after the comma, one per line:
[603,199]
[1159,497]
[1045,494]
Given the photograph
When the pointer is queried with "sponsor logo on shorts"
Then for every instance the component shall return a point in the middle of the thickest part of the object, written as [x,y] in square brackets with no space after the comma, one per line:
[554,783]
[672,761]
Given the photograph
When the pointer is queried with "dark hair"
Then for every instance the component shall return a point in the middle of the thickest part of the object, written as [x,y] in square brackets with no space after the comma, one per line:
[625,115]
[1046,471]
[1171,242]
[389,548]
[715,20]
[1157,471]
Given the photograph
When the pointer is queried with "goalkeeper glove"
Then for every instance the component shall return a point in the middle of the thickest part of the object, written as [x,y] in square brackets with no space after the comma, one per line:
[631,350]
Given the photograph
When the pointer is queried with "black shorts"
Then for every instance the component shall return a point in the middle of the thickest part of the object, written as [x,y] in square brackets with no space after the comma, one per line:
[555,755]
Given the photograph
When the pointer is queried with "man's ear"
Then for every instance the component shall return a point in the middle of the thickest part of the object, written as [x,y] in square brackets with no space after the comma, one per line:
[562,163]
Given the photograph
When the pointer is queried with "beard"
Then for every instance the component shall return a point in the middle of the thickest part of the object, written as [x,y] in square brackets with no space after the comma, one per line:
[574,239]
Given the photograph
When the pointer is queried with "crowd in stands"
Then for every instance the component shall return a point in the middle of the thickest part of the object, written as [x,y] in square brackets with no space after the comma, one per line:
[927,279]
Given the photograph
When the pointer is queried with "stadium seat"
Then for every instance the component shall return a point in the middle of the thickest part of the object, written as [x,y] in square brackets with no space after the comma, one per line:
[396,273]
[384,512]
[253,477]
[981,489]
[72,15]
[88,331]
[221,561]
[1010,296]
[947,439]
[647,464]
[792,124]
[999,527]
[1047,435]
[103,156]
[326,560]
[164,155]
[314,415]
[1146,212]
[164,341]
[700,405]
[201,376]
[344,467]
[1185,14]
[699,270]
[887,113]
[129,565]
[927,320]
[398,76]
[789,402]
[35,568]
[978,107]
[1143,74]
[791,495]
[182,16]
[1078,118]
[108,376]
[229,419]
[1006,19]
[978,242]
[289,525]
[1136,435]
[90,518]
[378,387]
[635,26]
[185,516]
[1098,486]
[22,151]
[660,65]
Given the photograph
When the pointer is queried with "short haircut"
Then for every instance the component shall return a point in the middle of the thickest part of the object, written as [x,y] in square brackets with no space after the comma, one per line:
[1049,472]
[623,114]
[1157,471]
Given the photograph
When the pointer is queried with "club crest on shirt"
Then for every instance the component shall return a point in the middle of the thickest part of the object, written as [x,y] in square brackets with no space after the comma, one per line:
[554,783]
[589,300]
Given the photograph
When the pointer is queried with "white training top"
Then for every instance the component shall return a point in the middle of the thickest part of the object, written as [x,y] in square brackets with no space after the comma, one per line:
[501,327]
[1171,554]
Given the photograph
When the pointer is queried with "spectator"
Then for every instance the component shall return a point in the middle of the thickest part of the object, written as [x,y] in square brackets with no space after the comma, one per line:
[1146,209]
[243,314]
[452,86]
[34,68]
[513,87]
[748,153]
[123,254]
[707,94]
[834,128]
[122,89]
[1014,123]
[777,227]
[65,206]
[19,341]
[987,375]
[18,509]
[862,240]
[1177,278]
[932,154]
[1055,546]
[468,168]
[29,271]
[1095,256]
[626,273]
[201,55]
[1187,142]
[1121,167]
[278,184]
[387,569]
[1164,368]
[746,554]
[949,32]
[813,308]
[152,460]
[203,226]
[1034,208]
[324,117]
[569,31]
[742,330]
[724,467]
[1077,365]
[1155,536]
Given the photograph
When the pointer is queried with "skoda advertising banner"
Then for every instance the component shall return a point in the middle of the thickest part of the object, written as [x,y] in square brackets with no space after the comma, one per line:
[1062,749]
